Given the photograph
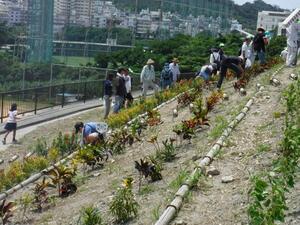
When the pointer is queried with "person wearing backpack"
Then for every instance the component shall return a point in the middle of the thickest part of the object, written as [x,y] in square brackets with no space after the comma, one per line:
[148,77]
[259,45]
[107,93]
[166,77]
[120,90]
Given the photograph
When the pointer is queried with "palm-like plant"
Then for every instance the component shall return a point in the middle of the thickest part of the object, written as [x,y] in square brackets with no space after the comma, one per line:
[61,176]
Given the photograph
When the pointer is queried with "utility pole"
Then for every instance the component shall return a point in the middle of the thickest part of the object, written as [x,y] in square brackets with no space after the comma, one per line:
[161,18]
[135,24]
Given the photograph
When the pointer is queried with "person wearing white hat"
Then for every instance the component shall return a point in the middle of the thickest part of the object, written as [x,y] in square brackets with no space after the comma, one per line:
[247,52]
[148,77]
[174,68]
[207,71]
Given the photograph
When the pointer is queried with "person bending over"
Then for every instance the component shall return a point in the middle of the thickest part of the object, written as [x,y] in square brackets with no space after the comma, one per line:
[91,132]
[233,63]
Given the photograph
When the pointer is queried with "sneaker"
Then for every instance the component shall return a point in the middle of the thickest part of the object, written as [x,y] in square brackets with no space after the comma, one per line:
[4,141]
[15,141]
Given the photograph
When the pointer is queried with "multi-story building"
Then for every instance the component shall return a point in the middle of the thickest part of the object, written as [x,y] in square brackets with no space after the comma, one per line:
[61,14]
[269,20]
[13,11]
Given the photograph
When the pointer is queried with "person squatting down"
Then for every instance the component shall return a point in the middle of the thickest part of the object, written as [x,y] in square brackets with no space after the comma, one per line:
[91,132]
[207,71]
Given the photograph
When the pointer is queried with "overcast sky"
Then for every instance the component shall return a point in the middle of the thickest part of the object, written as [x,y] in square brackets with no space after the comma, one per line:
[285,4]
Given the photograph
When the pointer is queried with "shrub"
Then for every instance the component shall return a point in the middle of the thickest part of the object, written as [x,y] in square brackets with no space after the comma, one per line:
[41,148]
[124,206]
[90,216]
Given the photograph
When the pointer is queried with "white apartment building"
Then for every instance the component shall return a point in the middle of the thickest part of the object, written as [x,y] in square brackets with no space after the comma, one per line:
[269,20]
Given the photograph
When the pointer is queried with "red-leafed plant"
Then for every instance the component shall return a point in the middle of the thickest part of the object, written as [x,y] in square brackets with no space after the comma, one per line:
[6,211]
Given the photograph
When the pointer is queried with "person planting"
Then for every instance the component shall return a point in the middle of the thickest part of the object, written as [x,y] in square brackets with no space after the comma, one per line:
[233,63]
[207,71]
[91,132]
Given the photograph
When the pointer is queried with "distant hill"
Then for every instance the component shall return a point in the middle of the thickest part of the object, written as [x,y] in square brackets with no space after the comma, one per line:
[246,13]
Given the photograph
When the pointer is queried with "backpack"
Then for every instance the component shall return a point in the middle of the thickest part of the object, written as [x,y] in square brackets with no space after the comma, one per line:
[166,74]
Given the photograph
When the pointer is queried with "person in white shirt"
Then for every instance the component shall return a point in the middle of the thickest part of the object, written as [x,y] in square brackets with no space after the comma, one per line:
[247,52]
[148,77]
[128,97]
[11,124]
[284,53]
[292,44]
[174,68]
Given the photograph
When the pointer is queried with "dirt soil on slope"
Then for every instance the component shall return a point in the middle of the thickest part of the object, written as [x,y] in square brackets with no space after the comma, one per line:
[240,158]
[250,149]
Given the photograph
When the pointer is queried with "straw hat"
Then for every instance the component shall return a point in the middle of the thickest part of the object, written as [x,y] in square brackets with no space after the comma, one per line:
[150,61]
[175,60]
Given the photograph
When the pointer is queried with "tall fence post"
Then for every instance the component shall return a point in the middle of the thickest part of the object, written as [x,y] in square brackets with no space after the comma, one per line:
[35,101]
[84,92]
[2,105]
[63,96]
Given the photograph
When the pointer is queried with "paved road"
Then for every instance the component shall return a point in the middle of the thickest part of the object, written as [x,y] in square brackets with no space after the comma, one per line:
[29,121]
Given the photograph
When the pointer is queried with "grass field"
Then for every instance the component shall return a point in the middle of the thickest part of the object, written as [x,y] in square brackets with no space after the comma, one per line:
[73,60]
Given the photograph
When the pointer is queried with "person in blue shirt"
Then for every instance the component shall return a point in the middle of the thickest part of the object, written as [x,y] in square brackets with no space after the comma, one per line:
[207,71]
[91,132]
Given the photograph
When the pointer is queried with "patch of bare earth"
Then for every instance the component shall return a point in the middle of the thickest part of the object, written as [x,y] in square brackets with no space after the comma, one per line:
[238,158]
[249,150]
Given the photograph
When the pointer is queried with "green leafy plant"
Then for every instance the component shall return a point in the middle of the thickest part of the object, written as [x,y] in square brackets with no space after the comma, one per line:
[41,147]
[180,179]
[167,153]
[65,144]
[6,211]
[90,216]
[25,203]
[267,193]
[41,195]
[61,176]
[124,206]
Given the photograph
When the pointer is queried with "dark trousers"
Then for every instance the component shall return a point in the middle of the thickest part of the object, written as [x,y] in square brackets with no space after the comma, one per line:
[224,67]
